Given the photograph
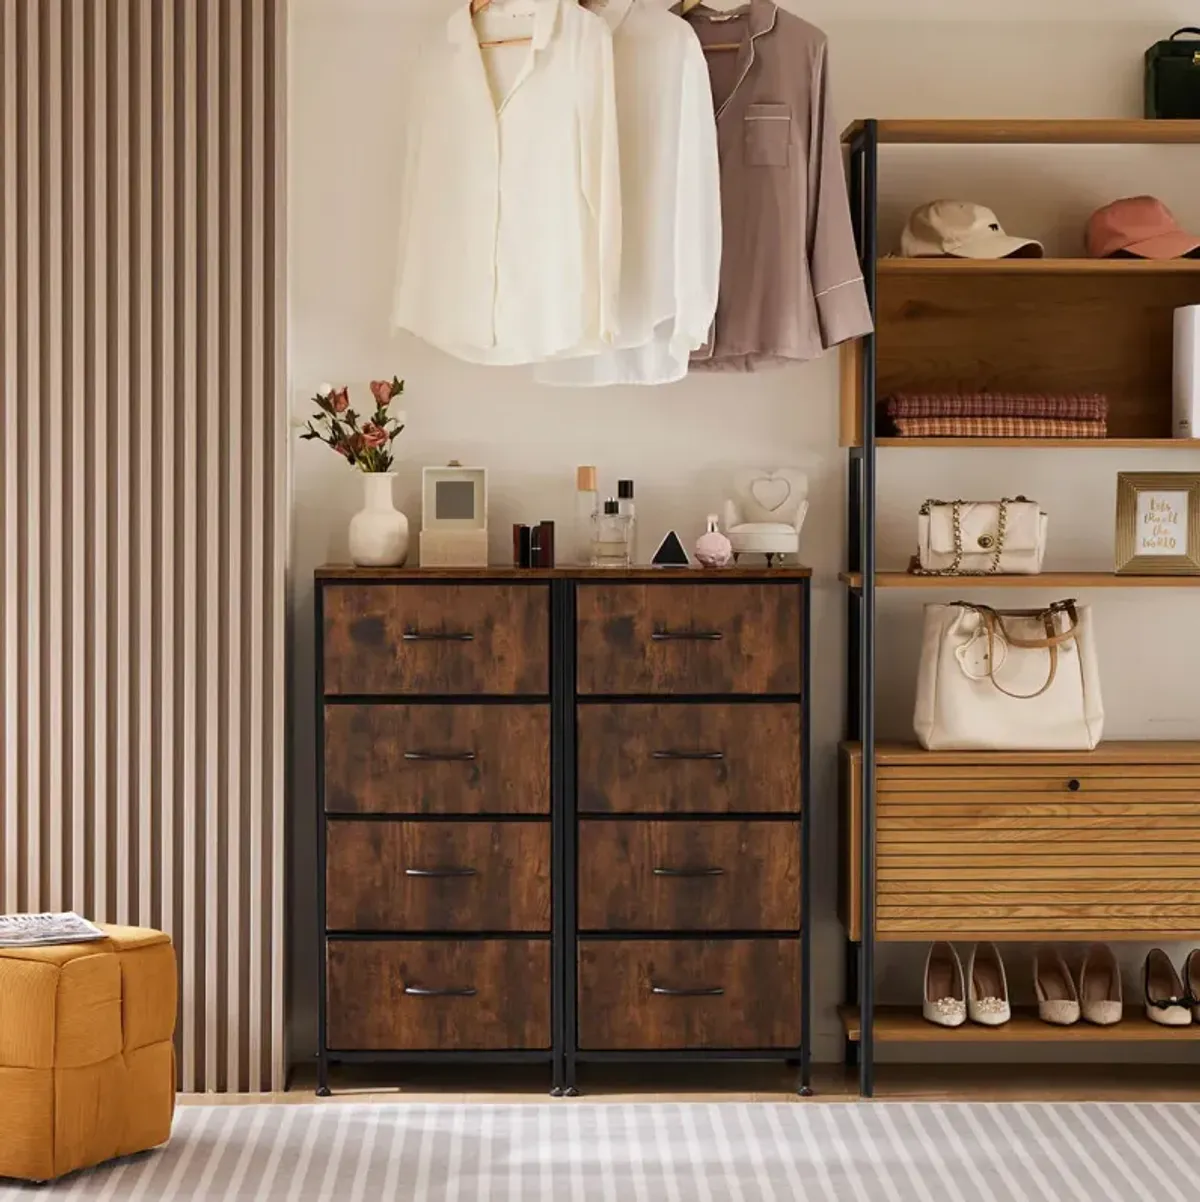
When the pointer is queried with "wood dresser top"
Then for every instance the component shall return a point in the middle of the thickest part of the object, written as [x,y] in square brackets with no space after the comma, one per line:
[348,572]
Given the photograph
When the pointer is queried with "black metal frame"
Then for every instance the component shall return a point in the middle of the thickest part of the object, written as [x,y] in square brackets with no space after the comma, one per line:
[860,602]
[565,1054]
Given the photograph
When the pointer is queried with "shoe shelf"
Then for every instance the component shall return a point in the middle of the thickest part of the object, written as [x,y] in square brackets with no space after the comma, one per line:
[1050,580]
[1074,132]
[905,1024]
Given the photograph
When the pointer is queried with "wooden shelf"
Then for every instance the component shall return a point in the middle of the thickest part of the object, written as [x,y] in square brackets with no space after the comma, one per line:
[1158,752]
[904,1024]
[960,268]
[1135,132]
[1043,444]
[1050,580]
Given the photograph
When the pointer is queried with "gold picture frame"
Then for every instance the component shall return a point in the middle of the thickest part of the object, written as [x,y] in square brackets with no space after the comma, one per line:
[1158,524]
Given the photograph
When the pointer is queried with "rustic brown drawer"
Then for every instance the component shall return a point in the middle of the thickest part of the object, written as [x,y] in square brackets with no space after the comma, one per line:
[437,759]
[663,758]
[686,876]
[688,638]
[434,995]
[736,993]
[437,639]
[437,876]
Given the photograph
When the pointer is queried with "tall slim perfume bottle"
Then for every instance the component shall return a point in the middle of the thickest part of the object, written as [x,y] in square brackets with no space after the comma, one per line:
[627,510]
[586,506]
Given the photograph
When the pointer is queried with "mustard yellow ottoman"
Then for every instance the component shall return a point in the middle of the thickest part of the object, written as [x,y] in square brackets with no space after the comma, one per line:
[87,1063]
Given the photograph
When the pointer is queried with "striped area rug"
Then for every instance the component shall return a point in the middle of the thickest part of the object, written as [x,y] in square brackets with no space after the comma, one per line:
[574,1152]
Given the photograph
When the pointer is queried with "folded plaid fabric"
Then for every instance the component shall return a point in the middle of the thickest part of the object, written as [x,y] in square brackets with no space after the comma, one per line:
[997,427]
[1091,407]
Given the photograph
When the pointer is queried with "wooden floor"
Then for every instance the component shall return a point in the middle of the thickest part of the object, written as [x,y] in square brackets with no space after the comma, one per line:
[748,1083]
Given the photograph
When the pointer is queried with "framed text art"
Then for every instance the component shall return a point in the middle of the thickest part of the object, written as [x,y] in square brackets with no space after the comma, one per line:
[1158,524]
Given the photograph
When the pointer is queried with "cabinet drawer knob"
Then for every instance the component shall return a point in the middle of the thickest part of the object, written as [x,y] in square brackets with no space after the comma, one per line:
[415,636]
[664,991]
[689,872]
[688,755]
[417,991]
[440,757]
[1074,785]
[438,873]
[687,636]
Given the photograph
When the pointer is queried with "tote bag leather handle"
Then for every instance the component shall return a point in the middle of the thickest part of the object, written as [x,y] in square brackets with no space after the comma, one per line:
[993,620]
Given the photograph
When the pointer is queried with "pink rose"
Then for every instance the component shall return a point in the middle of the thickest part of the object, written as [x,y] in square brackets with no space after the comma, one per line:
[382,392]
[374,436]
[340,400]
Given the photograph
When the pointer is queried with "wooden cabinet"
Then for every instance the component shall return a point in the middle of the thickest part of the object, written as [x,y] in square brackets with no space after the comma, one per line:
[562,815]
[1068,846]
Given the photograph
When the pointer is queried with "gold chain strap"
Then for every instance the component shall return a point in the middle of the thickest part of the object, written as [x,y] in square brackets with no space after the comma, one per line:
[955,569]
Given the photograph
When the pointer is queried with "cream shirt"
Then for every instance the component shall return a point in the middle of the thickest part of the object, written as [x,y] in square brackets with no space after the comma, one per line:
[671,202]
[510,240]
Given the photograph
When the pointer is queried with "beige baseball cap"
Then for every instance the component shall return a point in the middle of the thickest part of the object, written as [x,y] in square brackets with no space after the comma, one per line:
[964,231]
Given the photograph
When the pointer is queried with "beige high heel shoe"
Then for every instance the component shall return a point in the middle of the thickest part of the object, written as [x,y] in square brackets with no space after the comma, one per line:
[987,987]
[1101,997]
[945,993]
[1166,1001]
[1057,997]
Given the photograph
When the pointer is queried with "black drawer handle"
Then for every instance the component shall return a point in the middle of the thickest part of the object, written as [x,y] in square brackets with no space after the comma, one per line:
[438,873]
[417,991]
[688,755]
[415,636]
[440,757]
[663,991]
[687,636]
[689,872]
[1074,785]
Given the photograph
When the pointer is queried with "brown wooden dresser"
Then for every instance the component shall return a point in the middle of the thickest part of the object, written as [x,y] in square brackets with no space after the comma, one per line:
[562,816]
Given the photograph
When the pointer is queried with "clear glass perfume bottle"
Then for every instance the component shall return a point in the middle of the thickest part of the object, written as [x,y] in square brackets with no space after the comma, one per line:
[611,537]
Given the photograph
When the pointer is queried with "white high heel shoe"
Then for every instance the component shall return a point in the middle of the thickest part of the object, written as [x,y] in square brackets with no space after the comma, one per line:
[987,987]
[1057,997]
[945,994]
[1167,1003]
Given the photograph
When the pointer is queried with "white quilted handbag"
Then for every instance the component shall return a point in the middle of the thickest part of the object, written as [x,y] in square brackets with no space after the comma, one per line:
[981,538]
[1008,680]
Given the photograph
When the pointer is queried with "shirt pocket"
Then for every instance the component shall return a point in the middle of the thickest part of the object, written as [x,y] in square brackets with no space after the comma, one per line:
[767,130]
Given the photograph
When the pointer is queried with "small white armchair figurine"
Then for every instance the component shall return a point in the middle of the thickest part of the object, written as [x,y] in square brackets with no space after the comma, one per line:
[766,513]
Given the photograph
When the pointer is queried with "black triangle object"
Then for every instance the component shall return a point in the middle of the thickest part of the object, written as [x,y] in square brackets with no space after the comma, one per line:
[670,553]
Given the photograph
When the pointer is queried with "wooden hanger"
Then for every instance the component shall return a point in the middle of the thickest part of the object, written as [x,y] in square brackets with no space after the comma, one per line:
[714,47]
[477,6]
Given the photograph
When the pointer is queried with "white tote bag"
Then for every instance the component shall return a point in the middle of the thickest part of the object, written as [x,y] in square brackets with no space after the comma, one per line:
[1008,680]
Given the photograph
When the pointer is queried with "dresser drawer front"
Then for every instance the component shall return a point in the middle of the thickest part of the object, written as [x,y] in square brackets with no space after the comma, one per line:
[688,638]
[437,759]
[437,639]
[982,859]
[485,995]
[715,994]
[689,876]
[437,876]
[665,759]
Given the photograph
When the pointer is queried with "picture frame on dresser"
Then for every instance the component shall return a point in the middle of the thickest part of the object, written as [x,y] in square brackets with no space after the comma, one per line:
[535,828]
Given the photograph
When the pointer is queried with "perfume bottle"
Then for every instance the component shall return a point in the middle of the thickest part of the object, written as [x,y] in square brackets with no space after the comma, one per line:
[586,504]
[626,508]
[611,532]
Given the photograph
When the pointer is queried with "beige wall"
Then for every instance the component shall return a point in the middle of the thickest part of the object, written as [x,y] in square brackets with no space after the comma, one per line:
[941,58]
[143,494]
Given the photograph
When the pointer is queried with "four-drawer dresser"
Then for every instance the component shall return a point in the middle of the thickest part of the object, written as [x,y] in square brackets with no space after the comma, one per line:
[563,816]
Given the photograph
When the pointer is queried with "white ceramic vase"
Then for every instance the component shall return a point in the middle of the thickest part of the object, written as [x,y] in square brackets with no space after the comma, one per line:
[378,531]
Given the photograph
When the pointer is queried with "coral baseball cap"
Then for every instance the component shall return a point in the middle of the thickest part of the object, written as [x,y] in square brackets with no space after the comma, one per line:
[964,231]
[1141,226]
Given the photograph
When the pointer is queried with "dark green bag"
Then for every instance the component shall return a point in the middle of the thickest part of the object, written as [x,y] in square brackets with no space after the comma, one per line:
[1173,77]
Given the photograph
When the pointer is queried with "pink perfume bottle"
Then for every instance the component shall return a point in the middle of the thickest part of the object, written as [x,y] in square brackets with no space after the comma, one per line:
[713,549]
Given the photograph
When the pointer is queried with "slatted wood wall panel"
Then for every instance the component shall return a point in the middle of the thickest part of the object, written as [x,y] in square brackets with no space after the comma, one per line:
[143,465]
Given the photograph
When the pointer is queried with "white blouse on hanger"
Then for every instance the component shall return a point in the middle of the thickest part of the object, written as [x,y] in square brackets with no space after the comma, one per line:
[671,210]
[510,244]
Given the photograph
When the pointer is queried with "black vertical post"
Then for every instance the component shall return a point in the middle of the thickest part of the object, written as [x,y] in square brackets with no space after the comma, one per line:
[558,812]
[570,823]
[806,824]
[322,987]
[870,229]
